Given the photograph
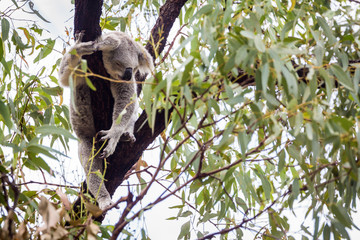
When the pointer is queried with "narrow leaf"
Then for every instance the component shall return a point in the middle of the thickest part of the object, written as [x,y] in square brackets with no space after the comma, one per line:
[342,77]
[5,113]
[50,130]
[5,29]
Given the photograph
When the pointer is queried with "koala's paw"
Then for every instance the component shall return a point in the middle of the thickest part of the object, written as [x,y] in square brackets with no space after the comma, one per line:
[113,138]
[79,35]
[85,48]
[129,137]
[104,203]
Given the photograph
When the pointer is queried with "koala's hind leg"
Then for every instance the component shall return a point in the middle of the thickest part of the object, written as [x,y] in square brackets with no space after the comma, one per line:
[83,125]
[93,165]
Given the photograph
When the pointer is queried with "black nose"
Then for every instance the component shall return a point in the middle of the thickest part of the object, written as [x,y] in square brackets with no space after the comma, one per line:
[127,74]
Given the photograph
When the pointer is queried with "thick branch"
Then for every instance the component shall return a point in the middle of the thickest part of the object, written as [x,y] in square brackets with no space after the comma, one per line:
[126,155]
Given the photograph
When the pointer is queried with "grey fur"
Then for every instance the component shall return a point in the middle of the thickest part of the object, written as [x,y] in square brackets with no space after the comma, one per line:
[122,58]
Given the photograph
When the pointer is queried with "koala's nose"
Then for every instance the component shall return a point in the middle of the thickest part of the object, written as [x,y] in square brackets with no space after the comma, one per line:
[127,74]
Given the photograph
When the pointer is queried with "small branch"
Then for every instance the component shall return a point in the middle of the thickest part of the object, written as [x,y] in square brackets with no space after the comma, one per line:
[172,44]
[50,184]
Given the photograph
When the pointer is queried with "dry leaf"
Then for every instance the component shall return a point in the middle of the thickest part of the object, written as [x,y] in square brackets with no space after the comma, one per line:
[57,234]
[64,199]
[92,231]
[137,169]
[140,163]
[9,226]
[50,216]
[93,209]
[163,136]
[22,233]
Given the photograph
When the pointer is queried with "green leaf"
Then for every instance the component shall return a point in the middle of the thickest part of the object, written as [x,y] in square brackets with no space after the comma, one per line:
[115,2]
[1,49]
[39,149]
[40,163]
[243,139]
[341,215]
[327,30]
[204,10]
[265,73]
[51,130]
[90,84]
[281,164]
[53,91]
[343,78]
[328,82]
[271,99]
[356,80]
[287,27]
[36,12]
[5,113]
[260,46]
[7,65]
[46,50]
[185,230]
[326,233]
[186,214]
[189,64]
[248,34]
[291,81]
[265,183]
[241,203]
[5,29]
[295,187]
[187,94]
[309,131]
[16,39]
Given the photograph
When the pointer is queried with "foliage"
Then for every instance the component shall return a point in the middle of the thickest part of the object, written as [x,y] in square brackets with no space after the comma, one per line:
[262,104]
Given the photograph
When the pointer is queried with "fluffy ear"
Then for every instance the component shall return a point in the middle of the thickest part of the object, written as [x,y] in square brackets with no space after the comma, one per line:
[145,61]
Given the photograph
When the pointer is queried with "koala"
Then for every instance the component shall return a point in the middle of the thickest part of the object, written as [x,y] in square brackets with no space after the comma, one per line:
[122,58]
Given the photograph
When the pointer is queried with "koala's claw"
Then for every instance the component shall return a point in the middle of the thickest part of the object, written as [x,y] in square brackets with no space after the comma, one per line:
[129,137]
[108,151]
[113,138]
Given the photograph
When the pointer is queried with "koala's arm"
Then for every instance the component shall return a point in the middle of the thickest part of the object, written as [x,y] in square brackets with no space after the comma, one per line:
[72,58]
[126,105]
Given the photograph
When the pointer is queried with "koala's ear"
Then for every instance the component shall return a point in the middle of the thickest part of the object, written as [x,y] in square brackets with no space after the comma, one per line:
[145,61]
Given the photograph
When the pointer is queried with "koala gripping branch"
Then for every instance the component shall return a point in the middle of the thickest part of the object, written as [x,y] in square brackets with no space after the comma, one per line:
[87,19]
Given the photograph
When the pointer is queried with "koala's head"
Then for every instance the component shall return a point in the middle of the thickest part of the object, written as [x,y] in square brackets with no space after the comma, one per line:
[125,57]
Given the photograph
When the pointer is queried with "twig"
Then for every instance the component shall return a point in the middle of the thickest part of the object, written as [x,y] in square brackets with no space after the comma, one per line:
[51,184]
[172,44]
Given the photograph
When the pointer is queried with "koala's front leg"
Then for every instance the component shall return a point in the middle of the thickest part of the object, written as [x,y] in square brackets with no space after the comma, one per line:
[125,100]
